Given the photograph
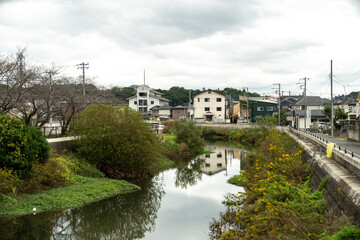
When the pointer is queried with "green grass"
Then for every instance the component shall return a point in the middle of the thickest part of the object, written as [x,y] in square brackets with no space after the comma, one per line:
[83,191]
[170,137]
[234,180]
[161,165]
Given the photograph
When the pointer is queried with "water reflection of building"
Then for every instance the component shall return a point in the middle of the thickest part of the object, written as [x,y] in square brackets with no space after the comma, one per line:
[220,157]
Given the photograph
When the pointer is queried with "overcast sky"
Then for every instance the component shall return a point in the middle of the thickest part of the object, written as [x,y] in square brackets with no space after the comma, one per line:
[192,43]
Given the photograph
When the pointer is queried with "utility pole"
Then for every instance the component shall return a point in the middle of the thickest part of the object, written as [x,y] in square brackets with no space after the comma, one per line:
[305,108]
[278,102]
[189,106]
[83,66]
[332,101]
[247,104]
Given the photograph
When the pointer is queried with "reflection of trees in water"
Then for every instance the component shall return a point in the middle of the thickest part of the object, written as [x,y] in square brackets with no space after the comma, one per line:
[127,216]
[32,227]
[190,174]
[122,217]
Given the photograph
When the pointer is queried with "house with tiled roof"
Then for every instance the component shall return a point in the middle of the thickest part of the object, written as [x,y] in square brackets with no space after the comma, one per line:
[314,111]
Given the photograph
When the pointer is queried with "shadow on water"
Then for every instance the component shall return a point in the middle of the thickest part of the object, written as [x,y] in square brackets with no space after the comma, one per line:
[190,174]
[122,217]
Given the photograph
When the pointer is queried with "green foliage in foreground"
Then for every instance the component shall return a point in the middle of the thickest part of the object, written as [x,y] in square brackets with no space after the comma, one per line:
[234,180]
[20,146]
[277,203]
[83,191]
[117,141]
[347,232]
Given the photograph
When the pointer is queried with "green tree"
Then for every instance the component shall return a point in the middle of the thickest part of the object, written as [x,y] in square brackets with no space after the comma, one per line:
[340,114]
[327,110]
[123,93]
[20,146]
[116,140]
[283,120]
[176,95]
[187,132]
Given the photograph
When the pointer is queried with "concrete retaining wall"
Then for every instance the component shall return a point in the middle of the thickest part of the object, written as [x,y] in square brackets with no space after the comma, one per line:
[342,190]
[58,145]
[354,134]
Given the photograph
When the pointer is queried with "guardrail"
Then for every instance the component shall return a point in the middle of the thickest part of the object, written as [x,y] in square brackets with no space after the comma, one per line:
[348,159]
[340,148]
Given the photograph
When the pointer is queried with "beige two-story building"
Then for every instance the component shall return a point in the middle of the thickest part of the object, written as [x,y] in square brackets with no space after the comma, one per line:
[209,106]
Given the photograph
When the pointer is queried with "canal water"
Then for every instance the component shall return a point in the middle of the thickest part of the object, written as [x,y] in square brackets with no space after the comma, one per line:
[177,204]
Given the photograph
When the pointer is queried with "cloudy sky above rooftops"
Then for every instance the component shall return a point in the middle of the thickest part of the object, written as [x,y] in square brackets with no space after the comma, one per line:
[192,44]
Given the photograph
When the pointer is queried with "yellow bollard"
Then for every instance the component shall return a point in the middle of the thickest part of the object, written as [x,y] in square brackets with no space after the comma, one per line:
[329,150]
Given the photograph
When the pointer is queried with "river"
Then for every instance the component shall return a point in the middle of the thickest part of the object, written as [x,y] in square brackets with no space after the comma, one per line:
[177,204]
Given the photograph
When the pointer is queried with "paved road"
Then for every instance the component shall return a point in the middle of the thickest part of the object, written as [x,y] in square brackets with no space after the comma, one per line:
[351,146]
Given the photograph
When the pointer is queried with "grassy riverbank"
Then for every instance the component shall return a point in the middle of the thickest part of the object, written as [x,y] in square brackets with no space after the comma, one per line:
[278,202]
[84,190]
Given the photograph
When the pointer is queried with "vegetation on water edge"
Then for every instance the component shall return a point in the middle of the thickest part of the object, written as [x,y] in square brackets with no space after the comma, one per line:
[83,191]
[277,203]
[116,140]
[234,180]
[62,182]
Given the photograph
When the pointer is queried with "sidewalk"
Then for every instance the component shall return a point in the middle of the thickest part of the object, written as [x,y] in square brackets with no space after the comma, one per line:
[344,144]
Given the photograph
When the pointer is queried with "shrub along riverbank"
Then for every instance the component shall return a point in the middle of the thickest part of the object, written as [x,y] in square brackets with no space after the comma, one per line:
[62,182]
[277,203]
[115,142]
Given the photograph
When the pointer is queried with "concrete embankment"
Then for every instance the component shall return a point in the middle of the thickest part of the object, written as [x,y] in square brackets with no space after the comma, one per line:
[60,144]
[342,190]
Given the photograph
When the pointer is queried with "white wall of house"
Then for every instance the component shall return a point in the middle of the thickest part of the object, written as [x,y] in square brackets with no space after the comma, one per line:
[310,107]
[209,106]
[164,113]
[145,99]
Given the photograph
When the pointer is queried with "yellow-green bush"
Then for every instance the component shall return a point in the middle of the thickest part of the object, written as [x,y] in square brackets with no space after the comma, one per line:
[7,181]
[54,173]
[20,146]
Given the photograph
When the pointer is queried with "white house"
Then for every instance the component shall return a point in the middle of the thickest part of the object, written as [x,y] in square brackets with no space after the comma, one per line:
[146,98]
[161,112]
[209,106]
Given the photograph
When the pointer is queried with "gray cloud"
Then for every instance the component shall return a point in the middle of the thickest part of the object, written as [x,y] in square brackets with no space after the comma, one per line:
[176,22]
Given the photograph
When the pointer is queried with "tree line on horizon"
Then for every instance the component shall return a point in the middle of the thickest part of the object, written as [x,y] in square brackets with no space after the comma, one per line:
[179,95]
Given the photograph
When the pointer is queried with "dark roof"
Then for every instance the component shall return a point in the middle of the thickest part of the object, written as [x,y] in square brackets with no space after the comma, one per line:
[314,113]
[165,107]
[211,91]
[290,100]
[180,107]
[312,101]
[154,107]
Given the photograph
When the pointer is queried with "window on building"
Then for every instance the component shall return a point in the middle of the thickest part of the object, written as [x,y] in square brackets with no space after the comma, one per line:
[207,155]
[219,164]
[259,109]
[218,109]
[142,102]
[135,102]
[218,99]
[207,99]
[207,109]
[207,164]
[198,99]
[219,155]
[152,102]
[142,94]
[270,108]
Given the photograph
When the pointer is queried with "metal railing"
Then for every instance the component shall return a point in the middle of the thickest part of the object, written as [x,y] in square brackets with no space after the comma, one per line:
[346,151]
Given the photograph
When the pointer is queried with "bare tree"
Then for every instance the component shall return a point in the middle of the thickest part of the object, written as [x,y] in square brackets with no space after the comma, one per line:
[14,80]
